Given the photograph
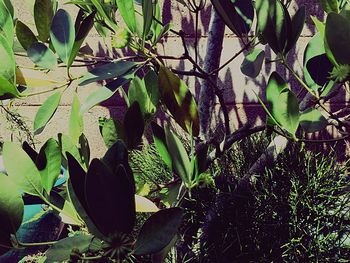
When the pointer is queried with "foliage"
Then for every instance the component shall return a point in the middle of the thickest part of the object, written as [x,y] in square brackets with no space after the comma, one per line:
[180,180]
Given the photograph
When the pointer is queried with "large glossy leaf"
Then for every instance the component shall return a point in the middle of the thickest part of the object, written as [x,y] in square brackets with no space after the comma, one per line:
[238,15]
[179,156]
[24,35]
[42,56]
[283,102]
[152,86]
[330,5]
[46,111]
[49,164]
[8,66]
[83,30]
[11,208]
[127,11]
[158,231]
[76,125]
[43,14]
[62,250]
[62,35]
[273,23]
[252,63]
[107,71]
[110,198]
[179,100]
[312,120]
[297,25]
[21,169]
[338,37]
[134,125]
[35,79]
[161,144]
[6,23]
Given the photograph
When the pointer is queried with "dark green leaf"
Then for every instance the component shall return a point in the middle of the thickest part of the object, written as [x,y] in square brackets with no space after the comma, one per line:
[158,231]
[43,14]
[147,11]
[25,36]
[179,156]
[127,11]
[46,111]
[312,120]
[338,37]
[21,169]
[252,63]
[179,100]
[49,164]
[161,145]
[330,5]
[11,208]
[84,149]
[62,35]
[7,89]
[134,125]
[42,56]
[111,131]
[61,250]
[273,23]
[298,22]
[83,30]
[238,15]
[110,198]
[138,92]
[107,71]
[152,86]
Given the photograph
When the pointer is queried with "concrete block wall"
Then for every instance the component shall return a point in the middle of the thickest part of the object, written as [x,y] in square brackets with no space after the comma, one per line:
[239,90]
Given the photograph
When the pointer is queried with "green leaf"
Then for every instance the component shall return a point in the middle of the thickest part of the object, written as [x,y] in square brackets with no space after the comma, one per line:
[7,58]
[283,102]
[43,14]
[42,56]
[298,22]
[134,125]
[11,208]
[62,250]
[107,71]
[84,149]
[49,164]
[252,63]
[9,7]
[161,145]
[312,120]
[338,37]
[76,125]
[7,89]
[67,146]
[273,23]
[101,11]
[286,111]
[158,231]
[83,31]
[137,92]
[152,86]
[147,11]
[110,198]
[21,169]
[46,111]
[6,23]
[238,15]
[121,38]
[25,36]
[62,35]
[330,5]
[179,100]
[179,156]
[127,11]
[111,131]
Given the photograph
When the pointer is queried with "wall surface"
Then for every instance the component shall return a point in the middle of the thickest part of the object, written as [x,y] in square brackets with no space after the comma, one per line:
[239,90]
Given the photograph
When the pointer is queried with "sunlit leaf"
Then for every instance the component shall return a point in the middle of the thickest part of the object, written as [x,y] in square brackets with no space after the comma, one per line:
[8,66]
[42,56]
[252,63]
[127,11]
[76,125]
[144,205]
[161,144]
